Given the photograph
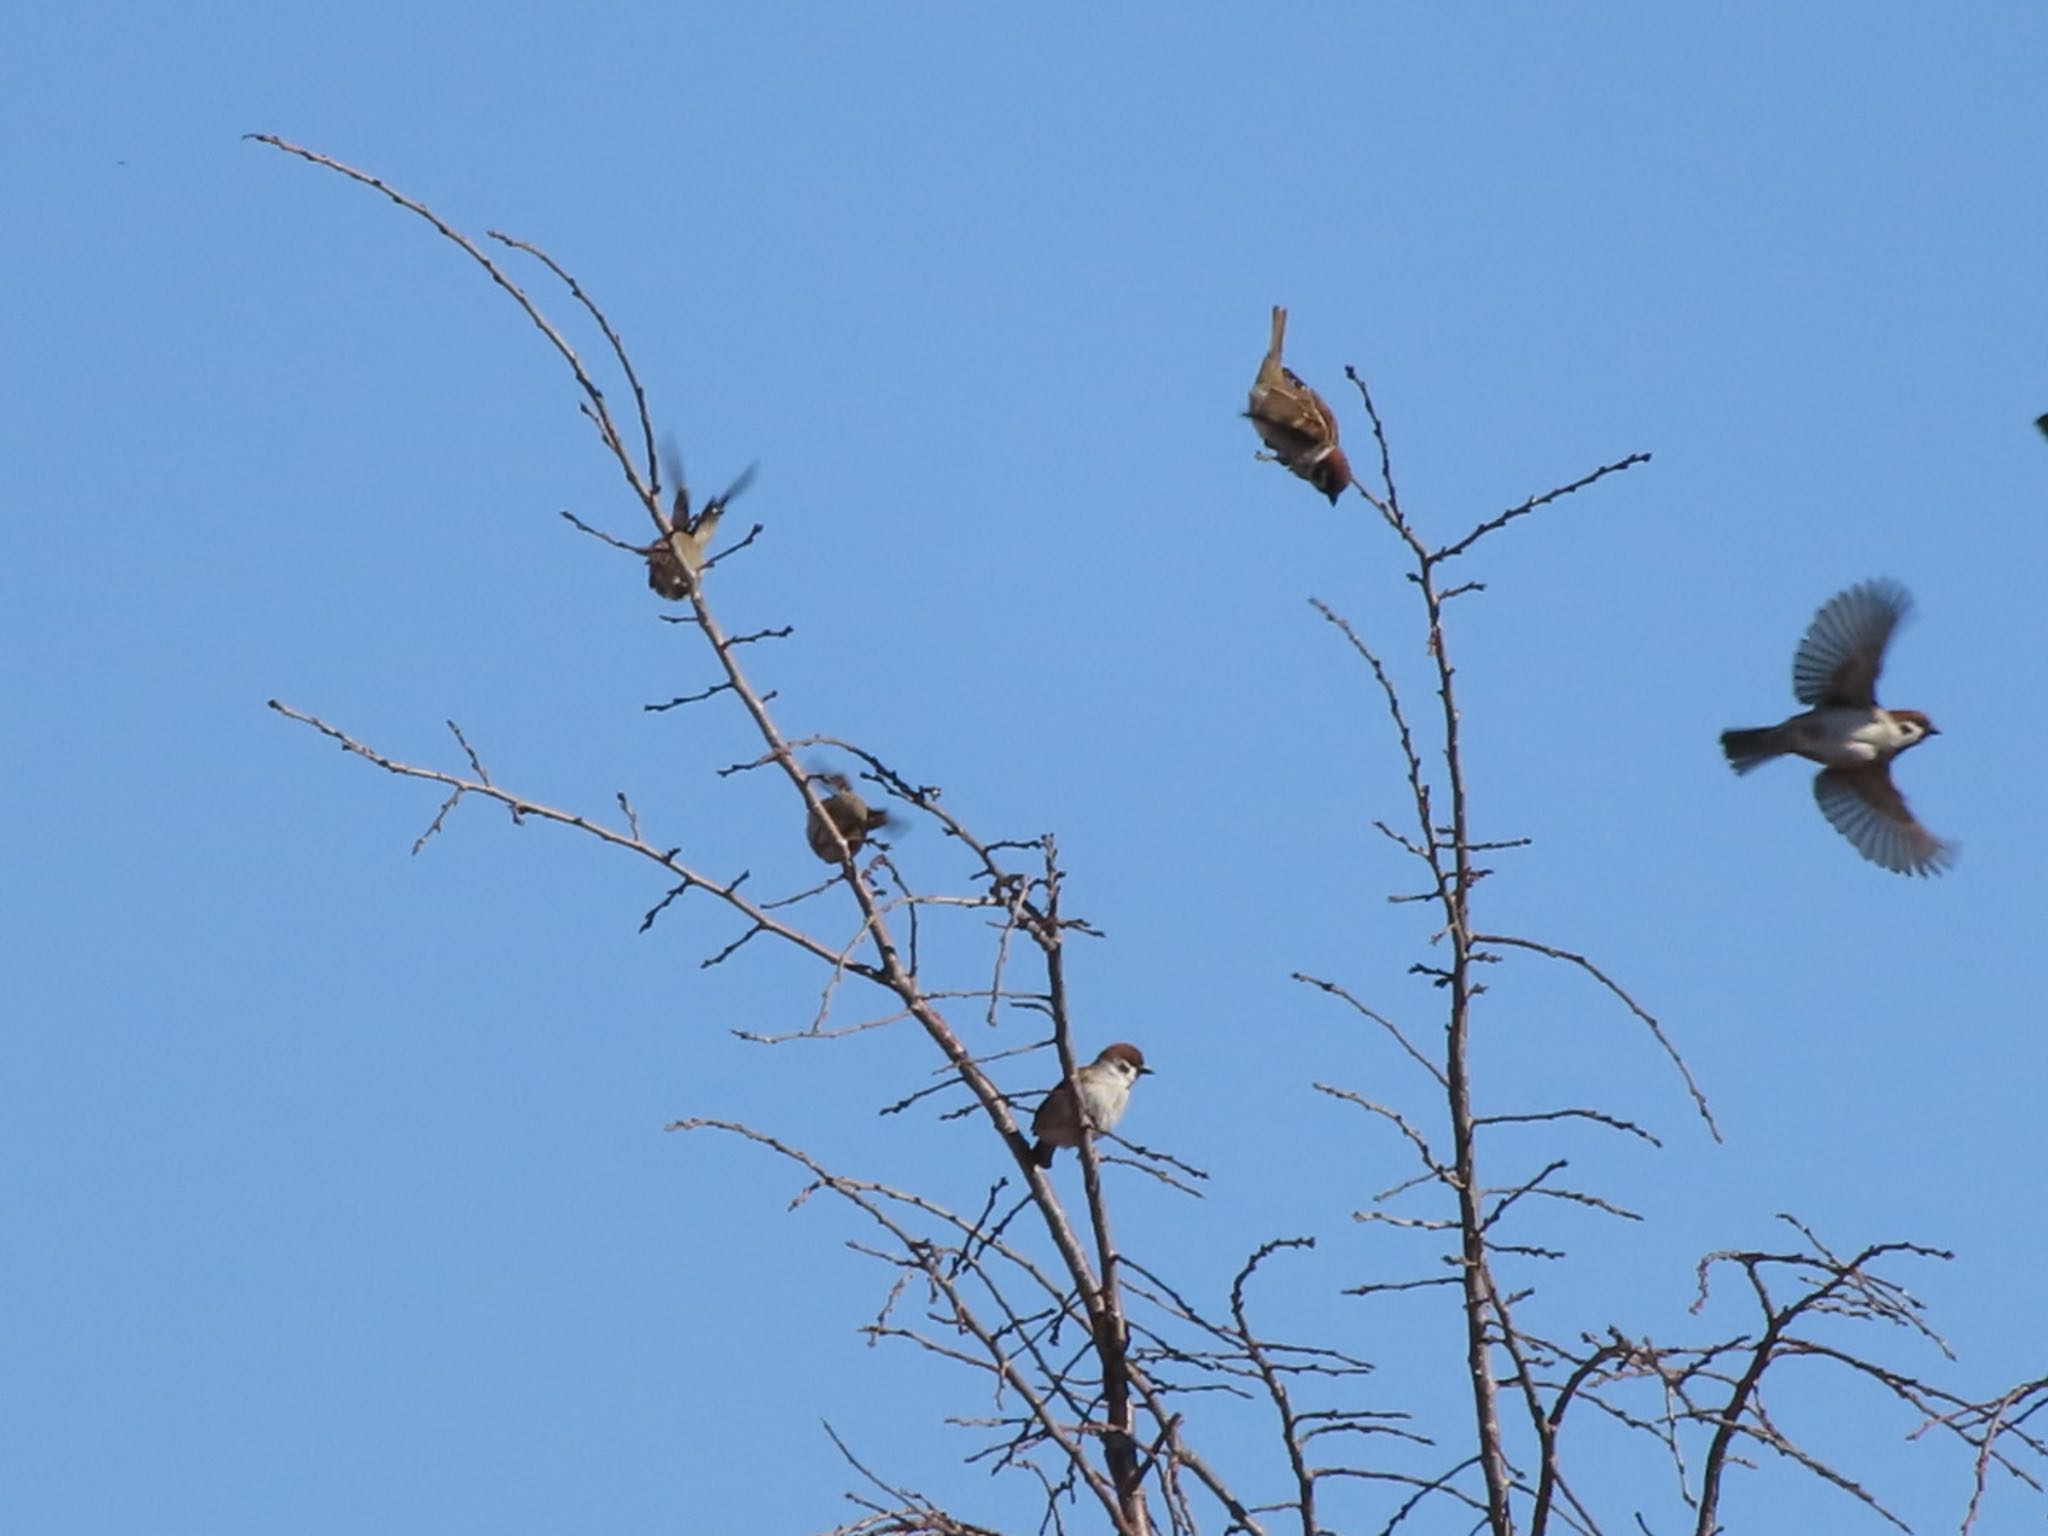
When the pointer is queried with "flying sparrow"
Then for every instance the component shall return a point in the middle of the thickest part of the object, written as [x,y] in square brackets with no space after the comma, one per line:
[1835,670]
[674,562]
[1294,423]
[849,813]
[1103,1088]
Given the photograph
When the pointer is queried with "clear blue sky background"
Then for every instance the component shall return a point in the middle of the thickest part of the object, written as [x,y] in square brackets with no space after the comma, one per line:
[335,1189]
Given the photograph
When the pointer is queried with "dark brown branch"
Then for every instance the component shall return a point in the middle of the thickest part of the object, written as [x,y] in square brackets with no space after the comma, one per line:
[619,353]
[1649,1020]
[594,403]
[1452,551]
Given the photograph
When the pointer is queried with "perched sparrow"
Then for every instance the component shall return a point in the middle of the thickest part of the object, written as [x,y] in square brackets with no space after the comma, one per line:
[1835,670]
[1103,1088]
[674,563]
[1293,421]
[849,813]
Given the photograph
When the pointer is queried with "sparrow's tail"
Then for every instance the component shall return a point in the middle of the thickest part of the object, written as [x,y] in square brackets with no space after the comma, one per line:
[1746,749]
[1279,334]
[1042,1154]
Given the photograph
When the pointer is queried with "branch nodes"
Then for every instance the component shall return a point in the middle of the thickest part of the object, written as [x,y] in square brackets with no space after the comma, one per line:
[1091,1363]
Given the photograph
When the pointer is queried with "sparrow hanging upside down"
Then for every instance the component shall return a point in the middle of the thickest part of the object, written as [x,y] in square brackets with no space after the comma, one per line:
[1854,741]
[1294,423]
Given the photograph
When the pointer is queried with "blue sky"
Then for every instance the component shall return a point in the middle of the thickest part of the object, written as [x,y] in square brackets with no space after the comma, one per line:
[336,1188]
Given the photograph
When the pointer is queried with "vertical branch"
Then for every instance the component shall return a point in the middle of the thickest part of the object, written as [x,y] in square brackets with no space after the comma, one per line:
[1104,1301]
[1453,895]
[1446,845]
[1476,1276]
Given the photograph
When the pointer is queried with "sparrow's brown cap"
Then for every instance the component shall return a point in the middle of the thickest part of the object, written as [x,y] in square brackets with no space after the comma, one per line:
[1126,1052]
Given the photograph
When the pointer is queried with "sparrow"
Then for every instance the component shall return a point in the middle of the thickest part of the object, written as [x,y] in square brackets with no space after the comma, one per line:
[674,562]
[849,813]
[1835,670]
[1293,421]
[2042,423]
[1103,1088]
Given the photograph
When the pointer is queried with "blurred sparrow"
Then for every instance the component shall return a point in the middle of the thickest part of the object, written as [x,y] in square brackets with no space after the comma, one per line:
[849,813]
[1103,1088]
[1293,421]
[2042,423]
[674,562]
[1854,741]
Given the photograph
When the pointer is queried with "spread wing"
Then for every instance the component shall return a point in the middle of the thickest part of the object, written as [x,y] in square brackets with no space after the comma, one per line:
[1866,807]
[1843,648]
